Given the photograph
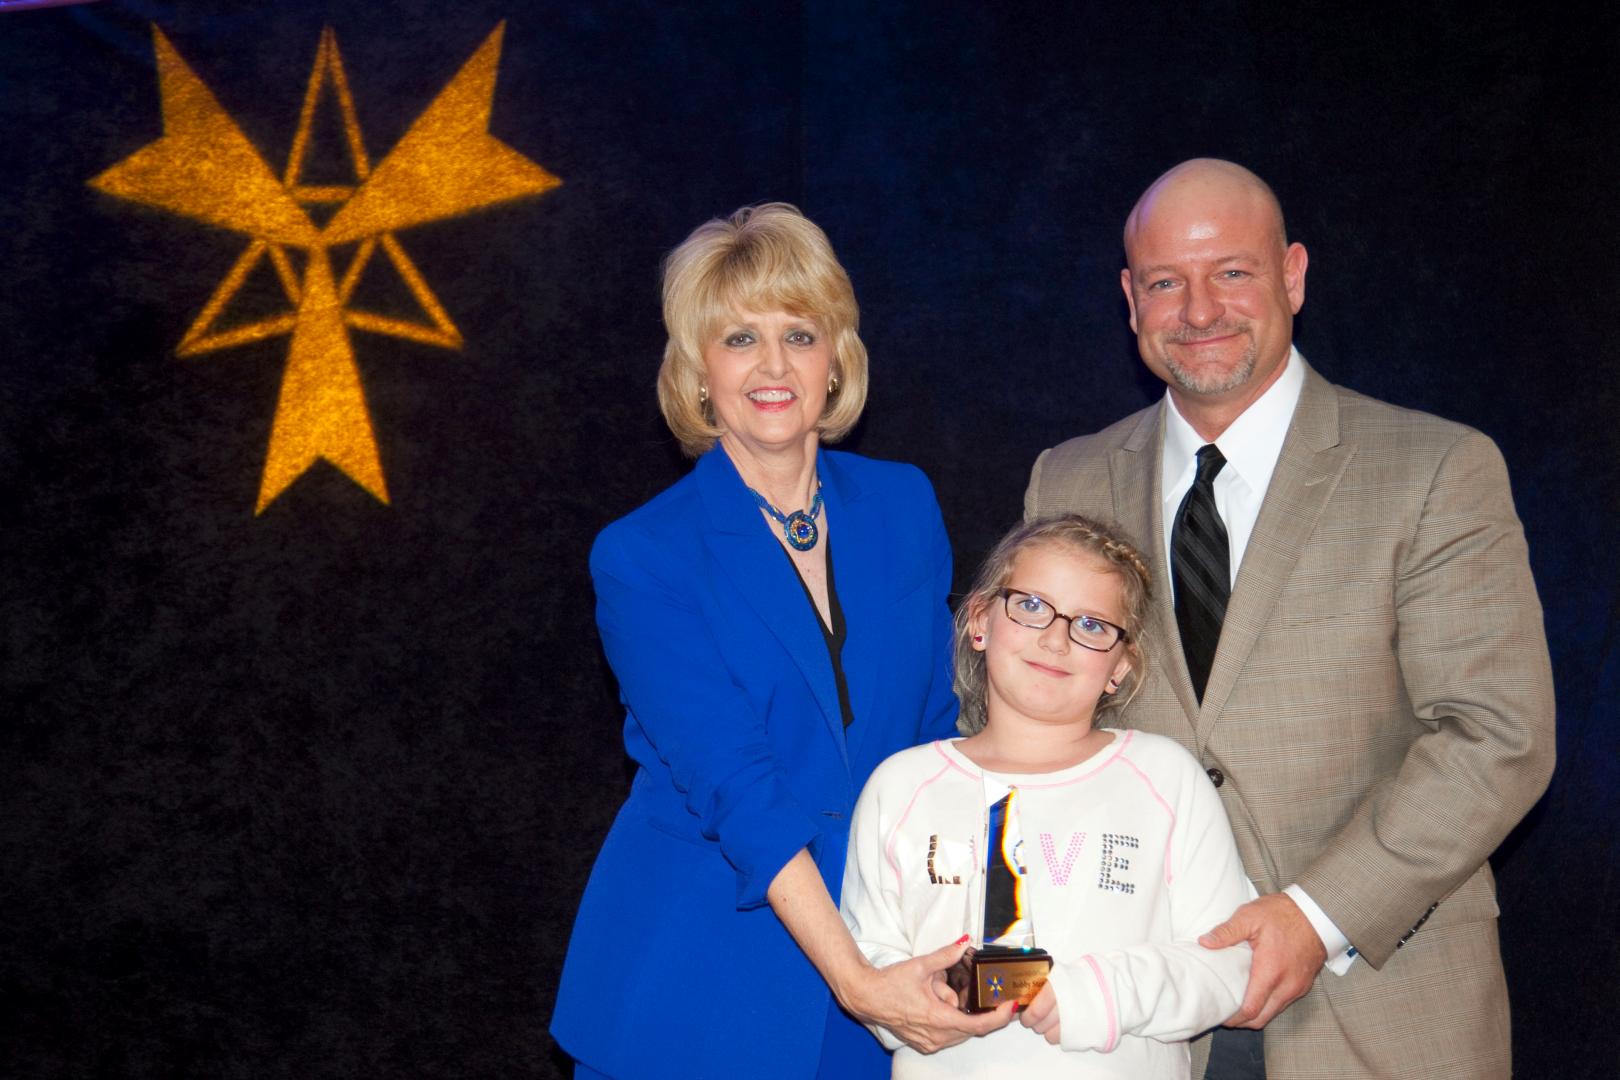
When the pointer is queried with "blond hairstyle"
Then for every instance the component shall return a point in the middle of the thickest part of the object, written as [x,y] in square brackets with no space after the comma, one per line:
[1102,543]
[762,258]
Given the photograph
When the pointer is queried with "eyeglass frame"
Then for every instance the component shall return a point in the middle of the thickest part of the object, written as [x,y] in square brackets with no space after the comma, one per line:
[1007,593]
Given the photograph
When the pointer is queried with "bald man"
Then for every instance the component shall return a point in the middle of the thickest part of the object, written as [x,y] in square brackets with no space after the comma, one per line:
[1349,640]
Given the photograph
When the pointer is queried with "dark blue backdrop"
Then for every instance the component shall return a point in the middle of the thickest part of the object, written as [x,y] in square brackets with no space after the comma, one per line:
[315,792]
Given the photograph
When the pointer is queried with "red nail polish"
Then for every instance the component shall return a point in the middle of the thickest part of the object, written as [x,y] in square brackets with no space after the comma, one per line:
[962,939]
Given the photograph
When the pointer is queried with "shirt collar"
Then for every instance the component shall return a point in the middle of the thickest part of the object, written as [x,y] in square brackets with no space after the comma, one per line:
[1251,444]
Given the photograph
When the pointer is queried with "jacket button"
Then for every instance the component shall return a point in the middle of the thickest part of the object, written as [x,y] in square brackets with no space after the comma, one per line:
[1217,777]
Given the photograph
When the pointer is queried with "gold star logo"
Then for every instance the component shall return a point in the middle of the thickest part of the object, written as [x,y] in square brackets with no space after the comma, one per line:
[204,168]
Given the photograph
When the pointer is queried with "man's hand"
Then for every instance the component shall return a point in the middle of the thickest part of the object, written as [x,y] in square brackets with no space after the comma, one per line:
[1287,956]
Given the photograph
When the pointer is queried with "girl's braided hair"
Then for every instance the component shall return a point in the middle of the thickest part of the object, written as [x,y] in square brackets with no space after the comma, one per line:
[1103,542]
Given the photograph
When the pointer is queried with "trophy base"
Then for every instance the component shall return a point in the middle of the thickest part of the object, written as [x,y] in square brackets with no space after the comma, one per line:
[993,975]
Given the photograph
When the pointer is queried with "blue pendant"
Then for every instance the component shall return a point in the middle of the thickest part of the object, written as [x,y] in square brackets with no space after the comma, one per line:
[798,528]
[800,531]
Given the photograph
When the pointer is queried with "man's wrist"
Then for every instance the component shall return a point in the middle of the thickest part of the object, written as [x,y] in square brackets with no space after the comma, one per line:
[1340,953]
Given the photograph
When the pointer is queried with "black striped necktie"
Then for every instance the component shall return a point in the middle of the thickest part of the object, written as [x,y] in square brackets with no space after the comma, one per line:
[1200,566]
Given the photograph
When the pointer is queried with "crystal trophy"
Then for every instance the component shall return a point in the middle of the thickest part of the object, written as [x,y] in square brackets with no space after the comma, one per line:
[1004,964]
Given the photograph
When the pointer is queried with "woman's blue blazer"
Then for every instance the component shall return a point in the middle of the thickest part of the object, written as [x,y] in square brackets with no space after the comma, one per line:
[678,967]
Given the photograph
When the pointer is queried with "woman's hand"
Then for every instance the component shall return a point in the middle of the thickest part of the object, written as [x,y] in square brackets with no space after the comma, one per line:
[1042,1016]
[912,1000]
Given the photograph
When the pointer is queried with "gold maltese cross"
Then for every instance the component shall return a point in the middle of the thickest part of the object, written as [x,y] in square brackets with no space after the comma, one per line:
[204,168]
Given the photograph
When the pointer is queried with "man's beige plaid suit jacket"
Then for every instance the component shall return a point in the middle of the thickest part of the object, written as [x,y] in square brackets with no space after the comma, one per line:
[1380,708]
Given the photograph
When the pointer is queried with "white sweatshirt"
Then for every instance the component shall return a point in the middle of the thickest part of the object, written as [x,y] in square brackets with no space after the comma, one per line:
[1128,860]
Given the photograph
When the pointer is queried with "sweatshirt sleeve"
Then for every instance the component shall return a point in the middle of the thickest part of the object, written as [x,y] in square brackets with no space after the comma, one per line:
[1172,990]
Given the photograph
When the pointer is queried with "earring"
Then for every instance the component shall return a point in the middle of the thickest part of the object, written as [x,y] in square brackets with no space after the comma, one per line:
[703,394]
[978,639]
[832,385]
[1113,685]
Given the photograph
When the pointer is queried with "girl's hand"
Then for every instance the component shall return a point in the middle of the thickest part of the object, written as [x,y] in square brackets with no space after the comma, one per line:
[1042,1016]
[912,1000]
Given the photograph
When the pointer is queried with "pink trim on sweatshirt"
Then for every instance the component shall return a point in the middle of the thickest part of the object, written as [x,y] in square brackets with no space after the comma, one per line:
[1092,767]
[894,833]
[1169,835]
[1108,1004]
[1105,759]
[939,748]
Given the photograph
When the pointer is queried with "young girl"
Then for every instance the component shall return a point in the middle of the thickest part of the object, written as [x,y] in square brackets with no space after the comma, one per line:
[1110,847]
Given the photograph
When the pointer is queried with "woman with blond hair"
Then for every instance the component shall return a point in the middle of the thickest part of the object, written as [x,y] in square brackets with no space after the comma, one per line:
[778,626]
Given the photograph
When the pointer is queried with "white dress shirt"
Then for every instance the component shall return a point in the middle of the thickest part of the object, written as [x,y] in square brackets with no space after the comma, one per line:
[1251,446]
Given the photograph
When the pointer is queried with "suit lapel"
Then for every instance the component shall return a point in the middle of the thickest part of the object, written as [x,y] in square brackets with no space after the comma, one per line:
[1308,470]
[1134,470]
[760,572]
[864,584]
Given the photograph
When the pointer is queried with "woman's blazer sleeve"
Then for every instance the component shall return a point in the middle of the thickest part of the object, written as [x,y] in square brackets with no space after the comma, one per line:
[682,696]
[870,902]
